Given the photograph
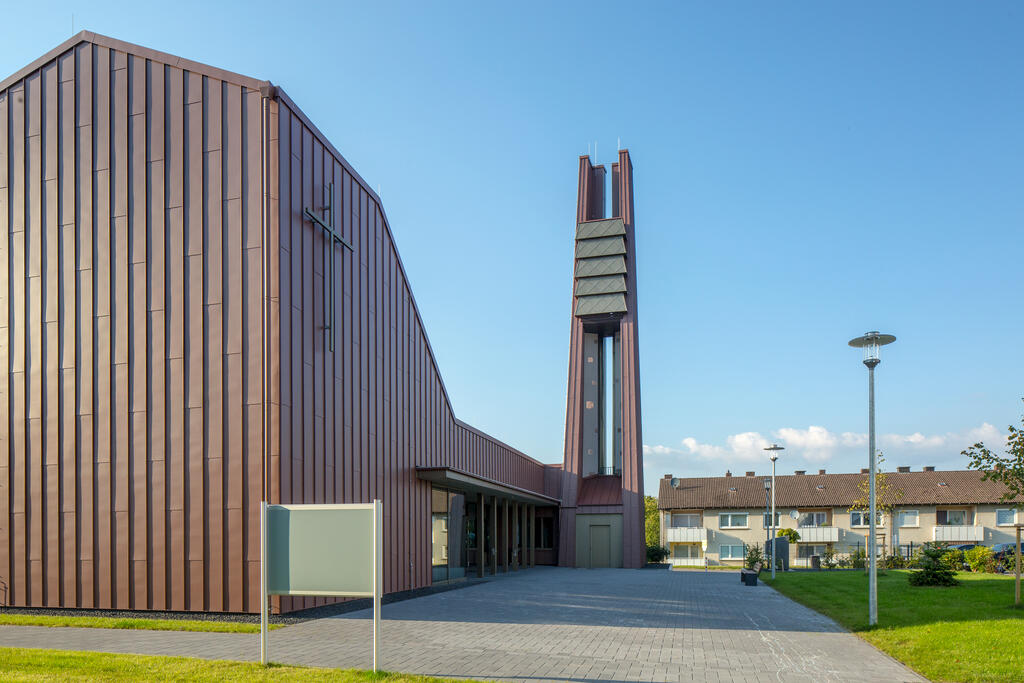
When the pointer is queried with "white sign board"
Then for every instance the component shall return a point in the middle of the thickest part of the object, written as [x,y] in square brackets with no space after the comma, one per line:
[321,550]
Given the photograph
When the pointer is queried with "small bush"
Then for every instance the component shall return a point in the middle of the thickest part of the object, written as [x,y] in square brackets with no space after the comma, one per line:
[1009,561]
[980,559]
[754,555]
[953,559]
[792,535]
[858,558]
[844,562]
[828,560]
[656,553]
[933,571]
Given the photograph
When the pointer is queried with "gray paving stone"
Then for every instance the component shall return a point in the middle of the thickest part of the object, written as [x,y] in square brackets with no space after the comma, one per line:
[550,624]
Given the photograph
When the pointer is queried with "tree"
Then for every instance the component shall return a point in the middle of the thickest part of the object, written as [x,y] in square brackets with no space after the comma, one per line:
[933,572]
[1008,469]
[791,535]
[652,521]
[886,495]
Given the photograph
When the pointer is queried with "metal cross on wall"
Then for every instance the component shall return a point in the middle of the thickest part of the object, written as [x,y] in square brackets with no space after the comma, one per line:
[328,226]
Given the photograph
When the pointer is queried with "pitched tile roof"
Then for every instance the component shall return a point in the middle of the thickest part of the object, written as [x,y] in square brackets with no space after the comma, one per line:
[827,490]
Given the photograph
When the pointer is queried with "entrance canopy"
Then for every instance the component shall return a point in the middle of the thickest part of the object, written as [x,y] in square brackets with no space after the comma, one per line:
[456,479]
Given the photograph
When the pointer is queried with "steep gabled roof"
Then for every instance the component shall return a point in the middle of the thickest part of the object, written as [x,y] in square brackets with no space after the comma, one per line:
[138,51]
[963,487]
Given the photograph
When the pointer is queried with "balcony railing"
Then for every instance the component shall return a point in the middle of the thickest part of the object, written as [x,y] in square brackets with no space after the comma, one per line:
[963,534]
[687,561]
[675,534]
[818,534]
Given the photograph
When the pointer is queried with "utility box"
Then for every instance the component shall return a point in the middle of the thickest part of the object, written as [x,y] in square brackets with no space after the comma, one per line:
[779,548]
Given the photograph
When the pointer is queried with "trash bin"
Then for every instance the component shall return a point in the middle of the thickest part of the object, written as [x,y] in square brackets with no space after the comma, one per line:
[750,578]
[815,562]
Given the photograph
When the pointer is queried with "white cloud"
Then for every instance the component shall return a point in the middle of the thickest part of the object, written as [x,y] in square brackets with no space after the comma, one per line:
[816,444]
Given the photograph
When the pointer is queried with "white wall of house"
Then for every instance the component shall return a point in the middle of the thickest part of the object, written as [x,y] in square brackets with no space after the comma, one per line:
[725,529]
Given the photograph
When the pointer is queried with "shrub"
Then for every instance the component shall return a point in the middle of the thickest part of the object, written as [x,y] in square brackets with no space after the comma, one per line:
[980,559]
[828,560]
[754,555]
[954,559]
[933,571]
[792,535]
[858,558]
[844,562]
[656,553]
[1009,561]
[896,561]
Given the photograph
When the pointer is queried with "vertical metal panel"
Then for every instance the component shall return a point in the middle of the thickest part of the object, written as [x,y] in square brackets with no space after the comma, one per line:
[130,327]
[157,338]
[5,343]
[390,412]
[117,235]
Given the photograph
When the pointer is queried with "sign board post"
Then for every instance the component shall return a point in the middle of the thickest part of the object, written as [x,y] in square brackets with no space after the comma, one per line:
[321,550]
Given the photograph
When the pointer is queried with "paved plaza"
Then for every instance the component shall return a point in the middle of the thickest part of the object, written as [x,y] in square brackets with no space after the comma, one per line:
[551,624]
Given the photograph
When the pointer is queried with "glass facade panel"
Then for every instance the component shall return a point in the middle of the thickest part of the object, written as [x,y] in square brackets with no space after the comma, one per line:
[544,535]
[451,529]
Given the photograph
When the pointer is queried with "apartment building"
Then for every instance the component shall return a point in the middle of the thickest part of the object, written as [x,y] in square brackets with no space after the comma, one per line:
[712,520]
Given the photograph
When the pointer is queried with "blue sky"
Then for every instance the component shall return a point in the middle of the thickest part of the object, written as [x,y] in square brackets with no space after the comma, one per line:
[804,172]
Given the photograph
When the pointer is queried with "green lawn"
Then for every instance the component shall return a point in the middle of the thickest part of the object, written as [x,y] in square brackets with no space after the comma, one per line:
[968,633]
[18,664]
[132,623]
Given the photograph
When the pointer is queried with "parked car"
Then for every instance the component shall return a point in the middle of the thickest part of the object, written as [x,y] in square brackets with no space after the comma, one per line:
[1001,551]
[964,547]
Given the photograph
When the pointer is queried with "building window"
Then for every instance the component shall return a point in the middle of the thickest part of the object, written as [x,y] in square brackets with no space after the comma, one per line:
[685,521]
[731,552]
[907,518]
[765,522]
[685,551]
[1006,517]
[818,518]
[861,518]
[732,520]
[951,517]
[544,536]
[806,550]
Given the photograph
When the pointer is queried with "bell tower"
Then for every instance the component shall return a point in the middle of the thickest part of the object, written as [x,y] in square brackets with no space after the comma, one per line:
[602,514]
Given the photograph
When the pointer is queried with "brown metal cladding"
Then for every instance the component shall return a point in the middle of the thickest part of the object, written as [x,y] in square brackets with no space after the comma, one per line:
[590,206]
[387,411]
[127,241]
[131,321]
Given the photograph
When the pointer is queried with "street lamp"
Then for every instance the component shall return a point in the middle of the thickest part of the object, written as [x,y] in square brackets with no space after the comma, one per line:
[871,343]
[773,455]
[767,492]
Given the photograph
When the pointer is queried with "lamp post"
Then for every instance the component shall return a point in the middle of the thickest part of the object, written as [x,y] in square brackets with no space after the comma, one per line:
[871,342]
[767,507]
[773,455]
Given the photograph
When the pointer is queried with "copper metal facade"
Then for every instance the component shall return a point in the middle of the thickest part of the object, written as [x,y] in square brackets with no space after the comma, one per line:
[136,191]
[600,311]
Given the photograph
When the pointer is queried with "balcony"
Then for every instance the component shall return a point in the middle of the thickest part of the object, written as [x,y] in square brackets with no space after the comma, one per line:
[687,561]
[818,534]
[675,534]
[958,534]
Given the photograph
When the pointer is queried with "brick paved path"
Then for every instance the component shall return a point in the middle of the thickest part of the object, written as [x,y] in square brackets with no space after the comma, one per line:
[552,624]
